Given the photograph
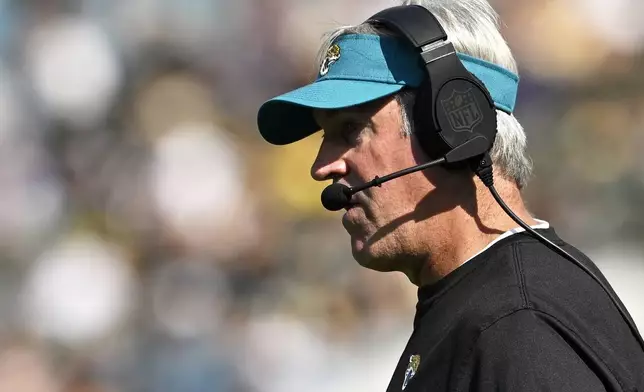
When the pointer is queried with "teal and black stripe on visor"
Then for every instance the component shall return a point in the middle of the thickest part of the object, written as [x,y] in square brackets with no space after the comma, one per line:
[360,68]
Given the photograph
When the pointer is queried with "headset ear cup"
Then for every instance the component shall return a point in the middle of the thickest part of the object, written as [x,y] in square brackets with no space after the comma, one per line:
[491,129]
[424,127]
[460,110]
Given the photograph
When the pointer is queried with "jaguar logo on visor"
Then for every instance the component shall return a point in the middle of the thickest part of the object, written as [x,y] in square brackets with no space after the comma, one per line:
[332,55]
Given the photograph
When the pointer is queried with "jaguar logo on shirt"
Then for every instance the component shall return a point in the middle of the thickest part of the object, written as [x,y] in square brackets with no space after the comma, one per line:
[412,368]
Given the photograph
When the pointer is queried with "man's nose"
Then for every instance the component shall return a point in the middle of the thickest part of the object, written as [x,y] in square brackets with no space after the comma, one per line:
[328,166]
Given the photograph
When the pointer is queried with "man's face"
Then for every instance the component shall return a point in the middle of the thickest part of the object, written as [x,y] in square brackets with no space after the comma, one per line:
[360,143]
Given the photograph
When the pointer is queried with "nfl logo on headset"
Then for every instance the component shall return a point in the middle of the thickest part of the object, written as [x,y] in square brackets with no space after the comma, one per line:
[462,111]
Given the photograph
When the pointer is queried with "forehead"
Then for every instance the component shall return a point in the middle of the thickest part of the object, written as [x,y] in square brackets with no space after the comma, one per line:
[365,111]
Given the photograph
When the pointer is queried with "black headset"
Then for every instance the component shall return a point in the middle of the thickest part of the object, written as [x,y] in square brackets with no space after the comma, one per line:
[452,106]
[461,115]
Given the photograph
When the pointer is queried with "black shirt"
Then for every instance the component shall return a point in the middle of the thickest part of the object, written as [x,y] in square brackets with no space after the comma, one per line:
[519,317]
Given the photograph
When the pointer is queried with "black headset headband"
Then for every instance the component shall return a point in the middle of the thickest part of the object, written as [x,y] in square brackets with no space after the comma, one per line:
[412,22]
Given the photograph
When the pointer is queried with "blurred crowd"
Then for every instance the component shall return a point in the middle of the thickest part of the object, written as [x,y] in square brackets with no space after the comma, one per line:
[151,241]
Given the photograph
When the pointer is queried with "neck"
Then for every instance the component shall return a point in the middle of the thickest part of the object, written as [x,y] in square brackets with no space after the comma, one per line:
[467,233]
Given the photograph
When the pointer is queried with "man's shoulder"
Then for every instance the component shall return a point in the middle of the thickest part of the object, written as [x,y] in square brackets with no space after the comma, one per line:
[560,305]
[537,277]
[554,285]
[522,274]
[519,298]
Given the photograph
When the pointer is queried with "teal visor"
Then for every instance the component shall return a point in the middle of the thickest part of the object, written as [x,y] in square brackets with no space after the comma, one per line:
[360,68]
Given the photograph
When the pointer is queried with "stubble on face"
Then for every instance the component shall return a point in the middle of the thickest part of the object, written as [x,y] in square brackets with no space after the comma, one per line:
[379,223]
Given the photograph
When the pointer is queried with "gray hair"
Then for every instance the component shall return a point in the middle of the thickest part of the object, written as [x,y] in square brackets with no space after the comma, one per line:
[472,26]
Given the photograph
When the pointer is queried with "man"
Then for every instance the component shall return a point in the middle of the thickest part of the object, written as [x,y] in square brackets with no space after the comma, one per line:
[497,309]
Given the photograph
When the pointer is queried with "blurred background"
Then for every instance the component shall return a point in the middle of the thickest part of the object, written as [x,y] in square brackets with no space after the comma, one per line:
[151,241]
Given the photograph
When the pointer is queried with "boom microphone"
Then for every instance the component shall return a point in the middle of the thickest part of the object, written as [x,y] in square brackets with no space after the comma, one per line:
[338,196]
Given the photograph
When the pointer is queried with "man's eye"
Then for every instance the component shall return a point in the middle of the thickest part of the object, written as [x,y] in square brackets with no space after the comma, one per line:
[351,132]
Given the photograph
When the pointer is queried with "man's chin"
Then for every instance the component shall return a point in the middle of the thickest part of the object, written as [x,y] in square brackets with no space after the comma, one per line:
[364,254]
